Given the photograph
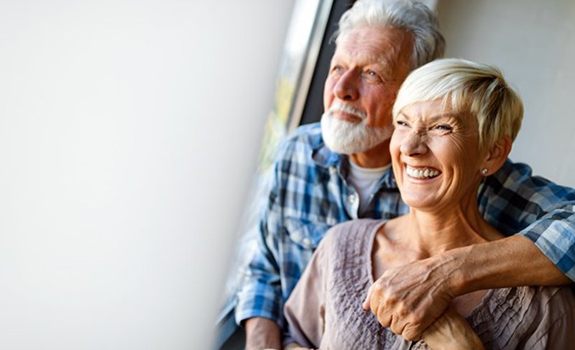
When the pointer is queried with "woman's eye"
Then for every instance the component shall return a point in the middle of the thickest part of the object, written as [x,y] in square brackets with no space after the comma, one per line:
[401,123]
[443,127]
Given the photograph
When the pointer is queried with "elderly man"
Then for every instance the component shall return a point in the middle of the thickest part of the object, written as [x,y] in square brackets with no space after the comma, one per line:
[339,170]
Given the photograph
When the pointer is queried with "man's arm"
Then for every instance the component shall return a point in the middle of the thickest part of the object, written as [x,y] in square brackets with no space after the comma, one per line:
[409,298]
[515,201]
[262,333]
[259,298]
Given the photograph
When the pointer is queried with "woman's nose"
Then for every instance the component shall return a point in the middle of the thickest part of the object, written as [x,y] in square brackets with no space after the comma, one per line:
[413,144]
[346,86]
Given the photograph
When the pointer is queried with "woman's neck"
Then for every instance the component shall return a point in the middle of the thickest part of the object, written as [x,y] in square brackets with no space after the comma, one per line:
[432,232]
[424,233]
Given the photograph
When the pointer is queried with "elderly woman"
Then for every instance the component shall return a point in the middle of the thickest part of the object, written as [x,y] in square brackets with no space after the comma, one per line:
[454,122]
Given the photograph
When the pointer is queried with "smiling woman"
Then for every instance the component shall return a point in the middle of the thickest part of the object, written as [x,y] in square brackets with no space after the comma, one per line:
[435,152]
[452,134]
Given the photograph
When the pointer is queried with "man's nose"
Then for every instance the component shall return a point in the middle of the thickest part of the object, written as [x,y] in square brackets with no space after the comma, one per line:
[414,144]
[346,87]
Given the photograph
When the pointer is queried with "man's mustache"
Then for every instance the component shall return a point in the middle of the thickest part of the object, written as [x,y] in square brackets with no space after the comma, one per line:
[343,107]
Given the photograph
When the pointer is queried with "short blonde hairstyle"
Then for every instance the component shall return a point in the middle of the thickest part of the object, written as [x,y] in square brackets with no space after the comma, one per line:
[466,87]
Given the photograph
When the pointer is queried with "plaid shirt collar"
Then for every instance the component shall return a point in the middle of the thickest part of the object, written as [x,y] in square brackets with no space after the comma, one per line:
[325,158]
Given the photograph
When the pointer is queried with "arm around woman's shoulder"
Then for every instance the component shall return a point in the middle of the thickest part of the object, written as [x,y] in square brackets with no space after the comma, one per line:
[515,201]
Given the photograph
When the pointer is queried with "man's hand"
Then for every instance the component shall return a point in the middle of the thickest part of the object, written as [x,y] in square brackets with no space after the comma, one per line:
[409,298]
[262,333]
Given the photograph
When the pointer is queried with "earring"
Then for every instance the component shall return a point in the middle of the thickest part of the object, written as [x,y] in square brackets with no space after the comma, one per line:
[484,171]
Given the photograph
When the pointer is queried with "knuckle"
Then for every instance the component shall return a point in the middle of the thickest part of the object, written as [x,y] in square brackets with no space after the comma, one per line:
[411,333]
[418,316]
[398,327]
[409,336]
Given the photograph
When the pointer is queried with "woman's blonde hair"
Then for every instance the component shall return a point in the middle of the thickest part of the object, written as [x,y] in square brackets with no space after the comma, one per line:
[466,87]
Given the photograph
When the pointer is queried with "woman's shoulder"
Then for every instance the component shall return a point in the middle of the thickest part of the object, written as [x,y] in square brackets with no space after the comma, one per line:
[360,230]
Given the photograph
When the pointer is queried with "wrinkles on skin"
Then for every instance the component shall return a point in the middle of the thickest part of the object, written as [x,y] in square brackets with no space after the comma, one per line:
[402,300]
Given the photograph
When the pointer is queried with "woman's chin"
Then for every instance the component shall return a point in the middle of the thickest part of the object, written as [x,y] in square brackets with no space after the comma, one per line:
[421,203]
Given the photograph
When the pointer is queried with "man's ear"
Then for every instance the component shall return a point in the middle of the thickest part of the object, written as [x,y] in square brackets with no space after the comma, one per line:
[496,155]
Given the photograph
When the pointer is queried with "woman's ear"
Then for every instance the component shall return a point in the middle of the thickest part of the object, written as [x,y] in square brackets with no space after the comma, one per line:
[496,155]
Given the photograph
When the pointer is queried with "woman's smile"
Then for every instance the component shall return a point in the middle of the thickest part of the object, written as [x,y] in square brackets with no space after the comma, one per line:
[421,173]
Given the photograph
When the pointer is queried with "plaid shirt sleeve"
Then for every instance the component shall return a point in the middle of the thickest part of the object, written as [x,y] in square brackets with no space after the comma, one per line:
[260,295]
[285,241]
[260,292]
[515,201]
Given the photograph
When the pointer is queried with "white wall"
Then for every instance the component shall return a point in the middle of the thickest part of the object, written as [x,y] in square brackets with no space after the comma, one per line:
[128,133]
[533,42]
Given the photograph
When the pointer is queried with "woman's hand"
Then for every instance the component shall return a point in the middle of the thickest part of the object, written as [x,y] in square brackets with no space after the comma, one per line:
[451,331]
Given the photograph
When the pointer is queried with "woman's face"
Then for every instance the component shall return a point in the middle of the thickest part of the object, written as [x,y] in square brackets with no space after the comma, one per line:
[435,156]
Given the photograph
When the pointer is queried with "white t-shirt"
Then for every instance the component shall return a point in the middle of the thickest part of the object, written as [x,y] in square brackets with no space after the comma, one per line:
[364,181]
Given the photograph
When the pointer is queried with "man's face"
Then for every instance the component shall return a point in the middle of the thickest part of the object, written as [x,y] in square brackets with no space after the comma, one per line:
[366,71]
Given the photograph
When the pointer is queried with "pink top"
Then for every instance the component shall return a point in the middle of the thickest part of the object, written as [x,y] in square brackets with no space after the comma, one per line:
[324,311]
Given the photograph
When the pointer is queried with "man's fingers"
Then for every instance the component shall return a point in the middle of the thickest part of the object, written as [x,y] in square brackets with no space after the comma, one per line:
[408,298]
[393,316]
[365,305]
[397,325]
[384,318]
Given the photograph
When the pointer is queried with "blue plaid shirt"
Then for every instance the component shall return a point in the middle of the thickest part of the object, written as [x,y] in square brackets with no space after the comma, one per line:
[310,194]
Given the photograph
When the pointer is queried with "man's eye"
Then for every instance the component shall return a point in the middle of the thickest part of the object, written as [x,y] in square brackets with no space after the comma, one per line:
[371,74]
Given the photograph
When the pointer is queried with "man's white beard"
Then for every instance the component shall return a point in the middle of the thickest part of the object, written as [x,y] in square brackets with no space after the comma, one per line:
[346,137]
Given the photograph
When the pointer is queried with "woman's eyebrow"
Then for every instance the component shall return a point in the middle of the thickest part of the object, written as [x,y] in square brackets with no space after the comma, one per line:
[433,117]
[446,115]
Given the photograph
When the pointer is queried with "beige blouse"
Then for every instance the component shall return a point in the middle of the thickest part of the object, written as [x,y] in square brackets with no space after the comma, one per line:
[324,311]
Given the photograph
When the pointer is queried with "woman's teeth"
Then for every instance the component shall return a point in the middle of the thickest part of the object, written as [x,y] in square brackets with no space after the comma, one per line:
[421,173]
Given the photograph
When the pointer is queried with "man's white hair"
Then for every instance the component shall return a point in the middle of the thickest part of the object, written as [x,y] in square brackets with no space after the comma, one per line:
[410,15]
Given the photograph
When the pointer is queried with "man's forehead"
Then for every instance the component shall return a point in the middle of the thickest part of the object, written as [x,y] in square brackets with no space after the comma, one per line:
[375,43]
[363,56]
